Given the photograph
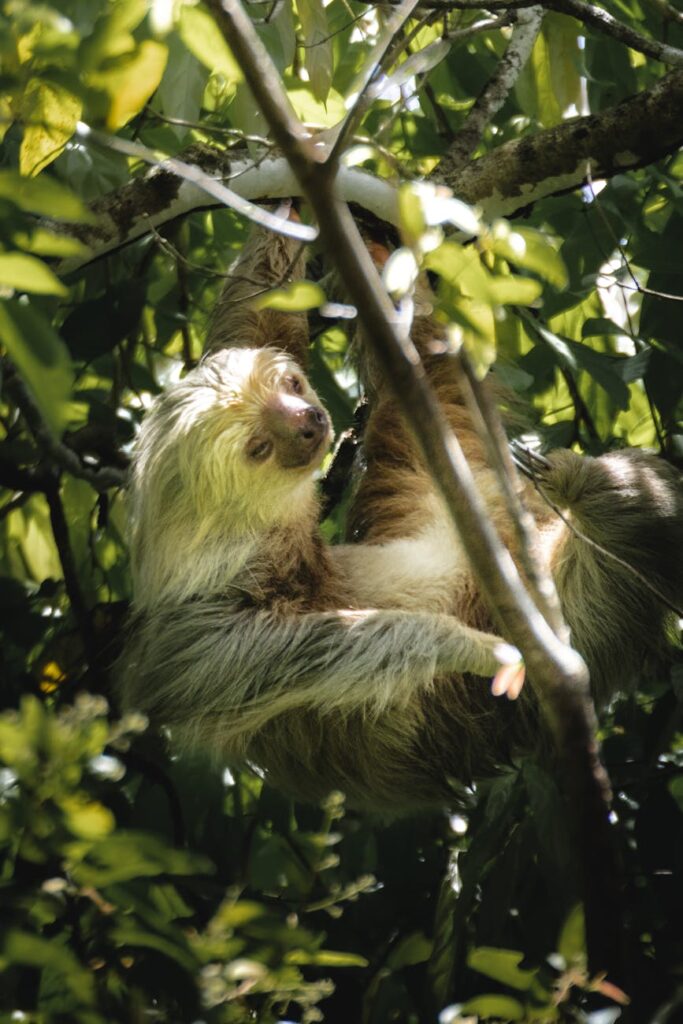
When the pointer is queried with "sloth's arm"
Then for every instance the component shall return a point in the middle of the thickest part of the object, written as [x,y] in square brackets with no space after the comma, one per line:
[266,261]
[246,667]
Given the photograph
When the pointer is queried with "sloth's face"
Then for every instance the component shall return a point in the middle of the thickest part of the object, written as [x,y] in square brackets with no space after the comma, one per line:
[239,438]
[266,411]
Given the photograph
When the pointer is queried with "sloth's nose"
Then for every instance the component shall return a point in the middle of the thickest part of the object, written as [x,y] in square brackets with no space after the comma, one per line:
[313,422]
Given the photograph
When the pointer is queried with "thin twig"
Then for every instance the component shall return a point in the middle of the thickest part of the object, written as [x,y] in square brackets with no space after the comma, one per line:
[589,14]
[488,424]
[60,532]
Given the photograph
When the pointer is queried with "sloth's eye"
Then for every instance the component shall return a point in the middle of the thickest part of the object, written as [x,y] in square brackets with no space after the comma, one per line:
[295,384]
[259,448]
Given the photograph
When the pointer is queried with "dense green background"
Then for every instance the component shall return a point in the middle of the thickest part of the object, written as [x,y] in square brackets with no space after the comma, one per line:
[136,886]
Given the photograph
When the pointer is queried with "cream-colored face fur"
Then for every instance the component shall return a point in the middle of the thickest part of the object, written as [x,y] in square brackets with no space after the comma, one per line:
[230,450]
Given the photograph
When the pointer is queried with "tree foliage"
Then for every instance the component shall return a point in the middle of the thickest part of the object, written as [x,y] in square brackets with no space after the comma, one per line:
[140,885]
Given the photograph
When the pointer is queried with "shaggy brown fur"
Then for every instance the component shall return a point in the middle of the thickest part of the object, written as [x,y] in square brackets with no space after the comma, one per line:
[359,667]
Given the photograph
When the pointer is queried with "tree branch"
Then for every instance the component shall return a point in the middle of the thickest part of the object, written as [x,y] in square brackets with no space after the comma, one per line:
[495,92]
[559,672]
[61,454]
[636,132]
[589,14]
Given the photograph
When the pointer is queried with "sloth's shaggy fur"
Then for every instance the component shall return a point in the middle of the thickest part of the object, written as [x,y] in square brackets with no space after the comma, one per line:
[363,667]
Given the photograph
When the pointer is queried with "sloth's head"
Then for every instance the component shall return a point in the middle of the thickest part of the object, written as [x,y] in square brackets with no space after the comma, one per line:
[226,453]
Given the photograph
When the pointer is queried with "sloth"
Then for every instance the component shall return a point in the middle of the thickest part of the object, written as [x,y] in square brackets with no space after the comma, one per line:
[363,667]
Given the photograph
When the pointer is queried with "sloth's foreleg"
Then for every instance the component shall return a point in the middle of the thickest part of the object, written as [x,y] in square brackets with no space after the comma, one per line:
[267,261]
[207,670]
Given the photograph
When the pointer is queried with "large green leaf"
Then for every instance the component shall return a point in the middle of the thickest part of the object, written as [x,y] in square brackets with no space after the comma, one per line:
[42,359]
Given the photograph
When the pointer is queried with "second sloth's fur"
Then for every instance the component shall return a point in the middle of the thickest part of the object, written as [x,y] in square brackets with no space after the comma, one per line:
[363,667]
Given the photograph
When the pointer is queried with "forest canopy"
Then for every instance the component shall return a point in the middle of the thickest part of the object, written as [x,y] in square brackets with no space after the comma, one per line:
[526,159]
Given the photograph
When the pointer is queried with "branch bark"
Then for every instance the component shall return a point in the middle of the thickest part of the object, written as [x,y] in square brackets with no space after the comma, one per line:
[495,92]
[558,671]
[636,132]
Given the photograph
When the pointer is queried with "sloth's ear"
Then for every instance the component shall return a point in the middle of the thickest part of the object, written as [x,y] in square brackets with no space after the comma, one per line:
[267,261]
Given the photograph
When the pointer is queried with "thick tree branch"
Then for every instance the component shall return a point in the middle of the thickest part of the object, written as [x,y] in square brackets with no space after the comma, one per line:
[636,132]
[495,92]
[558,671]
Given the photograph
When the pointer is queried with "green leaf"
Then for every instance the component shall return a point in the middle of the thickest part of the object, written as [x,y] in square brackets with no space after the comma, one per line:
[501,965]
[130,935]
[87,819]
[205,41]
[676,790]
[33,951]
[462,267]
[571,944]
[26,273]
[318,57]
[45,196]
[294,298]
[126,855]
[326,958]
[575,356]
[130,80]
[50,113]
[310,110]
[534,88]
[415,948]
[564,58]
[529,250]
[505,1008]
[42,359]
[41,242]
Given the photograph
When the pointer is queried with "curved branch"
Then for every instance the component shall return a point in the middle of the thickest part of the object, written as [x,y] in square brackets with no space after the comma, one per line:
[636,132]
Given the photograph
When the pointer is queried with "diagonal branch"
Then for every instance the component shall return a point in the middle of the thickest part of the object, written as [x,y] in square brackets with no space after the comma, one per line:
[495,92]
[559,672]
[634,133]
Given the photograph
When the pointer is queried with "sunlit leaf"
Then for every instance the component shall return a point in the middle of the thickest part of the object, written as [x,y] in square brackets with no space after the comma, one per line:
[326,958]
[203,38]
[45,196]
[571,944]
[87,819]
[294,298]
[311,111]
[318,57]
[41,357]
[25,273]
[529,250]
[130,80]
[502,965]
[50,113]
[500,1007]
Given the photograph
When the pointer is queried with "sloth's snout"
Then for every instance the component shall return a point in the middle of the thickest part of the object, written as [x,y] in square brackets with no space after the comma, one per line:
[313,422]
[298,429]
